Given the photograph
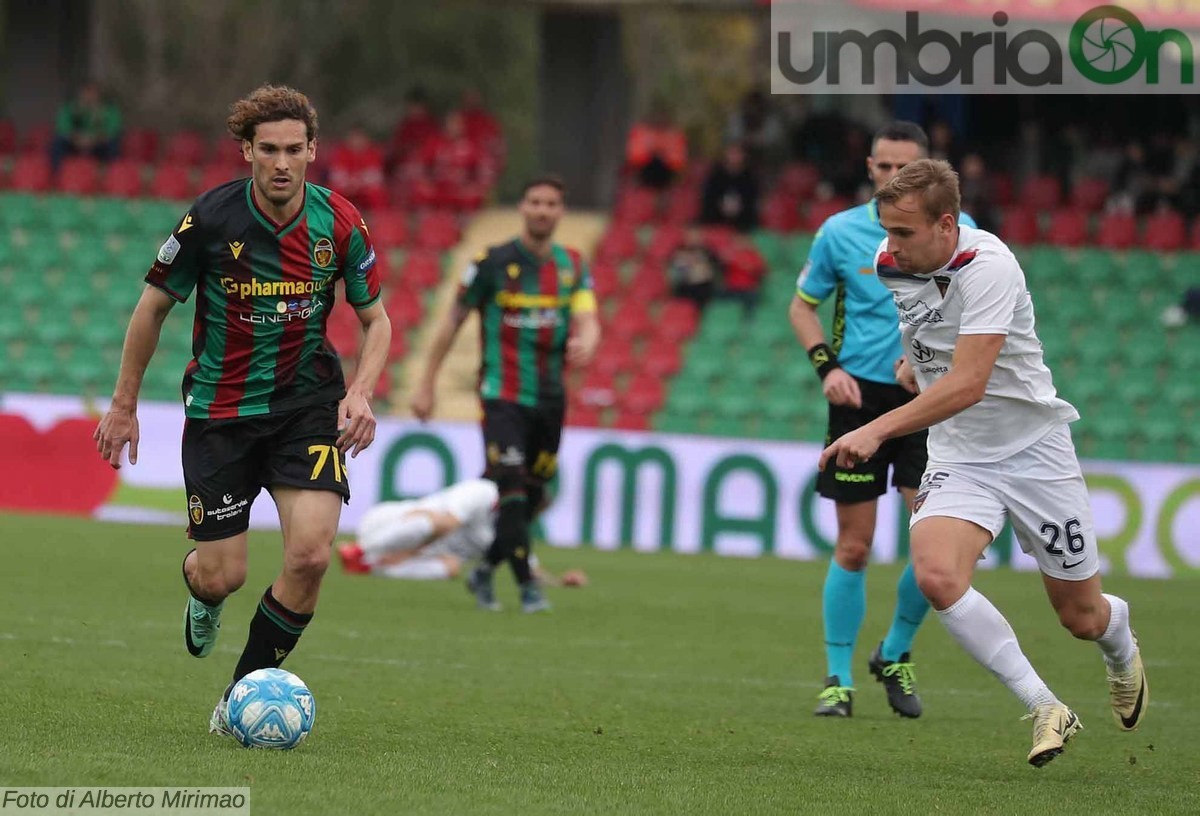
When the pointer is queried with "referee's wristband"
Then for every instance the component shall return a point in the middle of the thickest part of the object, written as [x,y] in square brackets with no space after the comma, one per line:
[823,359]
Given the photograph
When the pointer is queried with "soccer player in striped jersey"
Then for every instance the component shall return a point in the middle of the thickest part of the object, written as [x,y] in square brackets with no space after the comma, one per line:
[265,399]
[537,315]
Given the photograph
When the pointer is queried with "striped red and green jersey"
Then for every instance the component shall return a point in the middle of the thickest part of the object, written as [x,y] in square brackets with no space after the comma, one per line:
[264,292]
[525,304]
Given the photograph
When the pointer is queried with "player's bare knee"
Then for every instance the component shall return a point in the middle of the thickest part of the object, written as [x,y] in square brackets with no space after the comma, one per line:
[940,584]
[852,552]
[1084,620]
[307,563]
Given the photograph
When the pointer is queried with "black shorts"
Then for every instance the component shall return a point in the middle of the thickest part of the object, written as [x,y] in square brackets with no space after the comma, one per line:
[523,438]
[868,480]
[226,462]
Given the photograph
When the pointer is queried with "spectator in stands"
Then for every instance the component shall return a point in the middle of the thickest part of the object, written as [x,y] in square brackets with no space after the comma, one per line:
[1188,309]
[730,195]
[356,170]
[88,125]
[760,129]
[656,150]
[978,195]
[941,143]
[480,126]
[744,271]
[416,126]
[694,269]
[452,157]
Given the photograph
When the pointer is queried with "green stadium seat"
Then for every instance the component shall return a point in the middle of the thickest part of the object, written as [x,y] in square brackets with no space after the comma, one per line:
[688,403]
[21,211]
[67,213]
[1097,267]
[773,247]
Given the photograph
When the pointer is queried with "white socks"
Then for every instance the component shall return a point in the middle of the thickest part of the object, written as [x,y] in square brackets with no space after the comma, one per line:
[985,635]
[1117,641]
[405,533]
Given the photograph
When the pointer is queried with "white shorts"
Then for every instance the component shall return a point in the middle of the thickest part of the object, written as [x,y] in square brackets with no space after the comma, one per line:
[1039,489]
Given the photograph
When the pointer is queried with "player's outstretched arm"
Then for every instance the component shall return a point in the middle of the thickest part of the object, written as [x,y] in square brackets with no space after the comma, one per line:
[965,384]
[119,427]
[443,338]
[356,421]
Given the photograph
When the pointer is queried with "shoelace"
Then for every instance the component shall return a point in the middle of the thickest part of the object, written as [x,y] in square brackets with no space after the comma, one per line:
[1124,686]
[835,694]
[905,674]
[202,619]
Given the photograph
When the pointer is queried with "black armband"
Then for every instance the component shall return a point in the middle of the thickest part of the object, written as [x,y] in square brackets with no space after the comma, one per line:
[823,359]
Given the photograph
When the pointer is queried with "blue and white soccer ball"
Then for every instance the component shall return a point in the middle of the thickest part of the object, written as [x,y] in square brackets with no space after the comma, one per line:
[271,708]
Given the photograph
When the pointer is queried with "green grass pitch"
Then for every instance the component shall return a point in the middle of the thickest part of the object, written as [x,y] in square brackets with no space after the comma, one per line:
[672,685]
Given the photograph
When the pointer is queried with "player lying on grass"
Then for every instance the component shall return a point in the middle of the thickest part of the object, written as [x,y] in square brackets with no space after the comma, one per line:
[433,538]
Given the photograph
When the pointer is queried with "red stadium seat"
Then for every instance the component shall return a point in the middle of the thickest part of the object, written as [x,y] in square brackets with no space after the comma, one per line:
[1002,189]
[215,173]
[389,228]
[631,321]
[1089,194]
[140,145]
[31,173]
[677,321]
[1041,193]
[615,356]
[79,175]
[597,390]
[649,283]
[437,229]
[422,269]
[644,395]
[799,180]
[404,306]
[171,181]
[821,210]
[1194,238]
[123,178]
[8,138]
[720,239]
[1019,226]
[398,347]
[1068,227]
[683,206]
[38,138]
[665,241]
[636,206]
[581,416]
[1116,231]
[619,244]
[781,212]
[187,147]
[1165,231]
[662,360]
[631,422]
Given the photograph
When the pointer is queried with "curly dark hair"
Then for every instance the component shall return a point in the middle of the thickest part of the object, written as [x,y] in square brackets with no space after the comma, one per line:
[270,103]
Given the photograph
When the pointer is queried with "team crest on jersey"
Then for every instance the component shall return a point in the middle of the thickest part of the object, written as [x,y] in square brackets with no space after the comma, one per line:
[196,509]
[323,252]
[513,271]
[566,277]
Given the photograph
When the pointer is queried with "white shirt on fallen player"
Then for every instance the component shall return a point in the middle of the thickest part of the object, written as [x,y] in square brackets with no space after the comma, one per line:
[980,291]
[472,502]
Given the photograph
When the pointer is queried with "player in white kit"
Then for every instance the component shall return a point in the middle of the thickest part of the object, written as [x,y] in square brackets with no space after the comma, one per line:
[430,539]
[999,448]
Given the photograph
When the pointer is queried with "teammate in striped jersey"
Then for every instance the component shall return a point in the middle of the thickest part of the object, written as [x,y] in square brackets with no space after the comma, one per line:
[265,399]
[537,315]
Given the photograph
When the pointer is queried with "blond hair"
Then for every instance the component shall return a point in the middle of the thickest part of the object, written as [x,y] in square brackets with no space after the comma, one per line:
[933,180]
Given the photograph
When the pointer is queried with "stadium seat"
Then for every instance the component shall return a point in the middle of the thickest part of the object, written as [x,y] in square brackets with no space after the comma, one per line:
[1040,193]
[1068,227]
[122,179]
[1089,194]
[31,173]
[1165,231]
[422,269]
[437,229]
[636,206]
[8,138]
[1116,231]
[799,180]
[389,228]
[677,320]
[619,244]
[631,422]
[661,360]
[688,403]
[649,284]
[781,212]
[187,148]
[404,306]
[630,321]
[819,211]
[665,241]
[171,181]
[597,389]
[37,139]
[581,416]
[683,206]
[614,357]
[1019,225]
[140,145]
[215,173]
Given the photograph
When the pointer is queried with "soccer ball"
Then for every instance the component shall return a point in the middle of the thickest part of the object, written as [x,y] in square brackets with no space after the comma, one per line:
[271,708]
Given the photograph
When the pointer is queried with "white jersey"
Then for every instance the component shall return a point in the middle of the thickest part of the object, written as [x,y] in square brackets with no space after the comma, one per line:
[980,291]
[472,502]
